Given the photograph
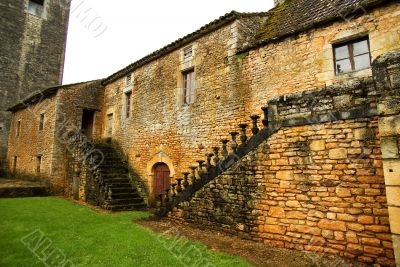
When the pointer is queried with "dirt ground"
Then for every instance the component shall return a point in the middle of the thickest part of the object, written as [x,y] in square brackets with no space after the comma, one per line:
[257,254]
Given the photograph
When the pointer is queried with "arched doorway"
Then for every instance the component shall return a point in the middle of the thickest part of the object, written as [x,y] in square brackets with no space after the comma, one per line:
[162,178]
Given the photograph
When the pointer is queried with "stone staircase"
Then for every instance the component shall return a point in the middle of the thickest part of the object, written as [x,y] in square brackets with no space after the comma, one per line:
[216,162]
[116,184]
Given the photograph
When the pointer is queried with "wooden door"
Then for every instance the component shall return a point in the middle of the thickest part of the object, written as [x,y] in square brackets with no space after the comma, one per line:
[161,178]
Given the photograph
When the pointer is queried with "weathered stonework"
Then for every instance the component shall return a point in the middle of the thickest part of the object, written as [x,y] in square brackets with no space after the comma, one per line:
[32,54]
[318,175]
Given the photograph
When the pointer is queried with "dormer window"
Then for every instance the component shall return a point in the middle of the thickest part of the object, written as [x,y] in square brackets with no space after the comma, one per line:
[187,52]
[36,7]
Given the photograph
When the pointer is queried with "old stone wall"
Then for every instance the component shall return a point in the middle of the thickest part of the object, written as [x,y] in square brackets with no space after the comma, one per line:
[229,87]
[161,128]
[62,110]
[317,184]
[305,61]
[32,54]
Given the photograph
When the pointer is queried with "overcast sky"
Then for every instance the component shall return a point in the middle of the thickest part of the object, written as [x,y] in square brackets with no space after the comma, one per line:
[105,36]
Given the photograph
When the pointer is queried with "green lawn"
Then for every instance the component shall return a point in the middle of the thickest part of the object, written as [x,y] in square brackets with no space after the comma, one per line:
[58,232]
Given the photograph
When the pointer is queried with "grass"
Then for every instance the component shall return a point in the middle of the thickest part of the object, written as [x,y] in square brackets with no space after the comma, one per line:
[87,238]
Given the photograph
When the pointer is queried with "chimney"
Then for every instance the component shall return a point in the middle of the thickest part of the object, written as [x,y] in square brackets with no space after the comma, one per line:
[278,2]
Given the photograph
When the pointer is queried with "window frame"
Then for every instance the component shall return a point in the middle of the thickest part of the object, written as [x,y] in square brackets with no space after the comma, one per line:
[18,130]
[187,52]
[39,160]
[41,122]
[128,80]
[39,4]
[192,88]
[350,47]
[128,104]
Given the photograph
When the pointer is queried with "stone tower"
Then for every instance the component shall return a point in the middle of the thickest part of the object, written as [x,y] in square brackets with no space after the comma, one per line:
[33,38]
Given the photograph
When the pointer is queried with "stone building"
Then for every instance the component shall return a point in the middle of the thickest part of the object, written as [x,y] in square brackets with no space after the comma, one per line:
[33,37]
[321,172]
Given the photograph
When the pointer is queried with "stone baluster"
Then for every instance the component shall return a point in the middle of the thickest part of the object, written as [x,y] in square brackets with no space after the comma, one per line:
[160,197]
[109,194]
[224,148]
[193,176]
[166,200]
[173,190]
[234,143]
[179,186]
[265,120]
[200,171]
[185,179]
[216,157]
[255,128]
[243,137]
[209,157]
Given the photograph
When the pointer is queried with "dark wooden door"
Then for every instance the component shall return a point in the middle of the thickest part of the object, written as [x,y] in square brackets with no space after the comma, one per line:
[161,178]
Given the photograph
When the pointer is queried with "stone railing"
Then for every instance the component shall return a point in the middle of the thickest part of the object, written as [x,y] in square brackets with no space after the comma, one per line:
[86,162]
[217,162]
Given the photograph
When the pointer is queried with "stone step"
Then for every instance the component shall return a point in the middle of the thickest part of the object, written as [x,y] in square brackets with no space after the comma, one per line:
[126,201]
[123,207]
[130,195]
[120,190]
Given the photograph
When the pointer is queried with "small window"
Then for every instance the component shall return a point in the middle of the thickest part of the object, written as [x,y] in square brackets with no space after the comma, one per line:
[128,103]
[187,52]
[38,164]
[352,56]
[109,124]
[18,128]
[41,122]
[128,80]
[188,86]
[36,7]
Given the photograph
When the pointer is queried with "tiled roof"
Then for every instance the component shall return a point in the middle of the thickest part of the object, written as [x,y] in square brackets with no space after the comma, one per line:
[40,96]
[212,26]
[294,16]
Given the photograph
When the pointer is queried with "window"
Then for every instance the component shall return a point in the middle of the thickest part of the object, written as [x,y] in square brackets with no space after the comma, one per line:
[41,122]
[352,56]
[188,86]
[38,163]
[128,103]
[187,53]
[18,128]
[109,124]
[128,80]
[36,7]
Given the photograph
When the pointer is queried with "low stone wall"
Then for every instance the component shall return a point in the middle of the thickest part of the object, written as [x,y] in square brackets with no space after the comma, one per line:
[317,184]
[314,187]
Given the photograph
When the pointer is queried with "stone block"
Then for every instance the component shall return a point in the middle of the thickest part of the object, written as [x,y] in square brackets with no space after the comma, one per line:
[296,215]
[396,248]
[284,184]
[393,195]
[276,212]
[275,229]
[363,134]
[285,175]
[389,107]
[317,145]
[392,172]
[293,204]
[338,153]
[342,101]
[394,218]
[343,192]
[390,148]
[332,225]
[389,126]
